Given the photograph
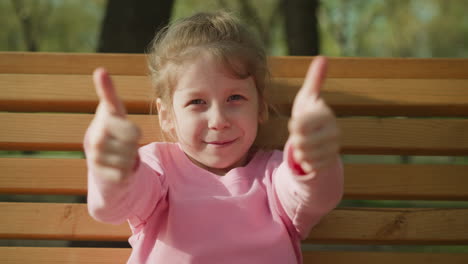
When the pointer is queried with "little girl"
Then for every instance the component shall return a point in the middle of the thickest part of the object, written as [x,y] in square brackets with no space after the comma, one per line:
[213,197]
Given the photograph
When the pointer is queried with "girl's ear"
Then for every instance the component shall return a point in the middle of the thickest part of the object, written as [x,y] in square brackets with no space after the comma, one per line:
[165,120]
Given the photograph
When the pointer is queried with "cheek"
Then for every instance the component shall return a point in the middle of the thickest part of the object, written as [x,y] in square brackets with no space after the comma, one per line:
[189,126]
[249,120]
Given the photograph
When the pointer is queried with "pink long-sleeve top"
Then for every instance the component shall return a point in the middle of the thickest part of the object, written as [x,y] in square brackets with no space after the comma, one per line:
[181,213]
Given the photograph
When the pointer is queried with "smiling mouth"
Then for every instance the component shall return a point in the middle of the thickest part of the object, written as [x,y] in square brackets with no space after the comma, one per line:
[221,142]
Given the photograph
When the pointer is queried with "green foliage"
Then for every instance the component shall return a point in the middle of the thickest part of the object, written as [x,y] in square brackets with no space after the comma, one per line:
[397,28]
[262,16]
[62,26]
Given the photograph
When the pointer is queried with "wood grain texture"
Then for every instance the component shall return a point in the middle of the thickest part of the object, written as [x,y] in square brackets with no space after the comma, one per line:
[282,66]
[71,63]
[43,176]
[23,131]
[60,131]
[362,181]
[43,255]
[56,221]
[399,136]
[47,255]
[393,226]
[344,257]
[407,182]
[349,67]
[61,82]
[370,225]
[347,96]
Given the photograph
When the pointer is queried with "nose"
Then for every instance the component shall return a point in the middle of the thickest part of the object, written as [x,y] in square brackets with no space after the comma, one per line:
[218,118]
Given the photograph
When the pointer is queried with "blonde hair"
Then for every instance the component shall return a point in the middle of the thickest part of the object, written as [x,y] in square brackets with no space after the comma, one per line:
[219,34]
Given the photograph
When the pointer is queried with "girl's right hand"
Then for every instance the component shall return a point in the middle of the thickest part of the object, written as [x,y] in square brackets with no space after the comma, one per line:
[112,143]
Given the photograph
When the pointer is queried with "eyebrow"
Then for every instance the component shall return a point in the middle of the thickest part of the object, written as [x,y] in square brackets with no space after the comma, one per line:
[195,92]
[190,92]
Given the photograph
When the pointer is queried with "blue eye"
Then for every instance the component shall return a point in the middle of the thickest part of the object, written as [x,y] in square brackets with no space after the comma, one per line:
[196,102]
[236,97]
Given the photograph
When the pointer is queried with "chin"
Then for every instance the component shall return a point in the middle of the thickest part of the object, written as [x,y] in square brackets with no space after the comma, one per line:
[221,164]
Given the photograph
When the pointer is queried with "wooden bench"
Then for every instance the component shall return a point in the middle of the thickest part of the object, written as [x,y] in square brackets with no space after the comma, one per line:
[409,107]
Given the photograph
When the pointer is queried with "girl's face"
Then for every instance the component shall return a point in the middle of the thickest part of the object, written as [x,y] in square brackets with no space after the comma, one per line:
[215,115]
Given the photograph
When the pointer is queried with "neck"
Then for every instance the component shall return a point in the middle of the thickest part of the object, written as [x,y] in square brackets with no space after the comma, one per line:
[223,171]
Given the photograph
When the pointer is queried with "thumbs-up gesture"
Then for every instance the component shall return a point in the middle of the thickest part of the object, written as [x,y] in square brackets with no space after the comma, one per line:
[313,131]
[112,138]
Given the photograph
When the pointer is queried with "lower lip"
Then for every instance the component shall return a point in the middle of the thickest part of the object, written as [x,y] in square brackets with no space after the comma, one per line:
[220,145]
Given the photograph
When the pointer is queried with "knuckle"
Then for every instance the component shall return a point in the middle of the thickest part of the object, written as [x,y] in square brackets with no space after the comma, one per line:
[117,161]
[110,173]
[114,174]
[132,131]
[96,144]
[95,157]
[301,125]
[300,142]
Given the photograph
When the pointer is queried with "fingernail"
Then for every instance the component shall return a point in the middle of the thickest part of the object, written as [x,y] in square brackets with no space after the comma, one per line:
[306,167]
[297,155]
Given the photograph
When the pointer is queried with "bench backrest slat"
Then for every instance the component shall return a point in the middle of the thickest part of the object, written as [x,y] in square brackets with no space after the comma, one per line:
[282,66]
[363,135]
[347,96]
[378,225]
[364,181]
[44,255]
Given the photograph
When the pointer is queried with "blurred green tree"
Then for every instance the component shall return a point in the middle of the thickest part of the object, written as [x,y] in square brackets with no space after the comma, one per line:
[371,28]
[45,25]
[398,28]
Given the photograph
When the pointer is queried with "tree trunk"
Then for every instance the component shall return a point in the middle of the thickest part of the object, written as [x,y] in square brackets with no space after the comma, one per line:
[129,26]
[26,22]
[302,30]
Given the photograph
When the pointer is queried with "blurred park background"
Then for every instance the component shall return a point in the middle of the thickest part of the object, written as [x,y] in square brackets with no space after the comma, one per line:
[360,28]
[371,28]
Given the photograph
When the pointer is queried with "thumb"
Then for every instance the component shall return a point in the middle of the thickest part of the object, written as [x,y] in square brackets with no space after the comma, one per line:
[310,91]
[107,93]
[315,77]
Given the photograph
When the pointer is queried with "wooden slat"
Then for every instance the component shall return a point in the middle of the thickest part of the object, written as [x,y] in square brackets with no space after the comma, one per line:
[393,226]
[387,135]
[347,67]
[362,181]
[405,136]
[44,255]
[403,97]
[60,131]
[47,255]
[71,63]
[289,66]
[370,225]
[382,97]
[360,135]
[408,182]
[56,221]
[341,257]
[43,176]
[68,93]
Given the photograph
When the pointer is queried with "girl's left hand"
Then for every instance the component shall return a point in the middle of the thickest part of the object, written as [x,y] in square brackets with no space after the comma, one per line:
[313,130]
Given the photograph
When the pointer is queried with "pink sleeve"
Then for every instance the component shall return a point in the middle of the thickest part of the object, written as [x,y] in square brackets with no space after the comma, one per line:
[307,198]
[133,200]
